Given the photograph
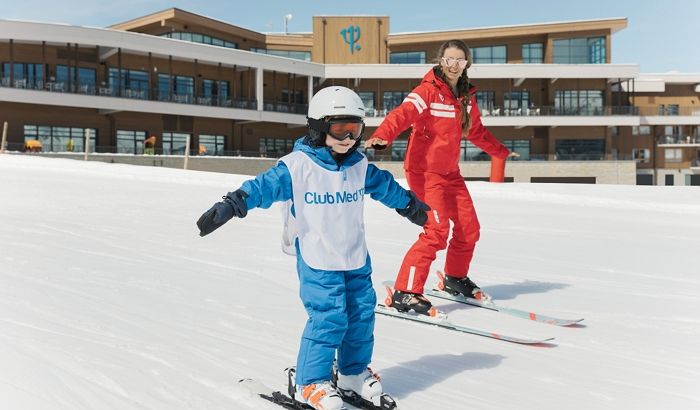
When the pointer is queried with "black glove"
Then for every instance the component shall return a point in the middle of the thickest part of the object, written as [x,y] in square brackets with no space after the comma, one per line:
[233,204]
[415,211]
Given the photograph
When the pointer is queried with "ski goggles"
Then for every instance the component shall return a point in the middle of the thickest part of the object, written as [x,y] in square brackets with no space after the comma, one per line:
[453,62]
[342,129]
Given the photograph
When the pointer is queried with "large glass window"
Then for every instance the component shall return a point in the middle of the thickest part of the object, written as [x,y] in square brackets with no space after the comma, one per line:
[516,102]
[174,143]
[297,55]
[486,100]
[393,99]
[522,147]
[407,57]
[214,91]
[578,102]
[200,38]
[368,100]
[134,83]
[25,75]
[398,150]
[489,55]
[211,145]
[471,152]
[182,88]
[533,53]
[641,130]
[580,149]
[673,155]
[60,139]
[579,51]
[86,78]
[130,142]
[275,147]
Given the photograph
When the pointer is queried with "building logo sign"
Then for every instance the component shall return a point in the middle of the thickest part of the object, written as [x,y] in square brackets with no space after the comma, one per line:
[351,36]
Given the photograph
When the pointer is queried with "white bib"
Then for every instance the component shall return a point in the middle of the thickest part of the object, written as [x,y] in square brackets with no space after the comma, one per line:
[329,208]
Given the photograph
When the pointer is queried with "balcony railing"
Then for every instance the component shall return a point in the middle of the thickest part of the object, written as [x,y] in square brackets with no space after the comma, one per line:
[691,111]
[560,111]
[148,95]
[677,139]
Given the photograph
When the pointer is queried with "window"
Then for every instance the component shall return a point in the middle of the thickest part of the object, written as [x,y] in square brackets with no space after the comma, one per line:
[294,96]
[134,83]
[393,99]
[641,155]
[580,149]
[641,130]
[182,88]
[86,78]
[515,102]
[578,102]
[533,53]
[25,75]
[522,147]
[174,143]
[486,100]
[211,145]
[398,150]
[579,51]
[672,109]
[368,100]
[278,147]
[673,155]
[407,57]
[130,142]
[200,38]
[297,55]
[471,152]
[60,139]
[489,55]
[214,92]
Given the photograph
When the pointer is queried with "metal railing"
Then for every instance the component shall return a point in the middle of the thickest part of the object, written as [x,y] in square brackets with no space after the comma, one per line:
[677,139]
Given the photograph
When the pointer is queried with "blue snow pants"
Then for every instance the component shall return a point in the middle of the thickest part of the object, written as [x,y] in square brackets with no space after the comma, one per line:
[340,305]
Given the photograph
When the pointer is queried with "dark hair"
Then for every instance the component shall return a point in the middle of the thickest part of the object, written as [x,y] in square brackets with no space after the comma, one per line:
[463,81]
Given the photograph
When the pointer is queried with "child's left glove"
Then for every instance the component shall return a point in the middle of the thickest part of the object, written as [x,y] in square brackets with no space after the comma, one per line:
[233,204]
[415,211]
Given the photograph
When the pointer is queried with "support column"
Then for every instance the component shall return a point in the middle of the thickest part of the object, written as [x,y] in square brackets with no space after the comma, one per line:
[259,87]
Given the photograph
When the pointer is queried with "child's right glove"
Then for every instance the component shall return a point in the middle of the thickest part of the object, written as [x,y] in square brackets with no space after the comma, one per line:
[233,204]
[415,211]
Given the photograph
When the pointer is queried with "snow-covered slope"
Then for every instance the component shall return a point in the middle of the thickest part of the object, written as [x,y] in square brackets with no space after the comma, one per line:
[110,300]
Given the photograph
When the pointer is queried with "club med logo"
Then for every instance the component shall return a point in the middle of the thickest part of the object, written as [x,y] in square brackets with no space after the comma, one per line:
[330,198]
[351,36]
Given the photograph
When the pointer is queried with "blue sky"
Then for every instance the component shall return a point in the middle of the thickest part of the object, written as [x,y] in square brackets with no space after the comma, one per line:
[661,36]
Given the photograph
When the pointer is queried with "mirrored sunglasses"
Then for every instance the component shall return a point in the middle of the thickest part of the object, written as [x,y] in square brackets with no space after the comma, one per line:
[451,62]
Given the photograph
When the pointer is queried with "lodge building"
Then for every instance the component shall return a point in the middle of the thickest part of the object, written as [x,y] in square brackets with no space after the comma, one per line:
[147,86]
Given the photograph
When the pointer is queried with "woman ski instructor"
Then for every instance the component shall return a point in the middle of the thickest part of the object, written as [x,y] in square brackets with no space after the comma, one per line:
[442,111]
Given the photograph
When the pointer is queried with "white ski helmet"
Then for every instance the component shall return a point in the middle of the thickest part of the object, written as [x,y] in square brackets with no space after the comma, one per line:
[336,101]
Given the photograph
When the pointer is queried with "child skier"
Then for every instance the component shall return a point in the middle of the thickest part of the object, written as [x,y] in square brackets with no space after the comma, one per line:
[326,179]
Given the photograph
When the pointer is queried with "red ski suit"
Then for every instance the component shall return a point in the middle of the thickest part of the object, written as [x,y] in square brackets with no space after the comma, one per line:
[432,171]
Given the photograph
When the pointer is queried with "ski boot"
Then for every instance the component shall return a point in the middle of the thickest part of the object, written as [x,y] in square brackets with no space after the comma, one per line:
[405,301]
[465,286]
[317,396]
[363,390]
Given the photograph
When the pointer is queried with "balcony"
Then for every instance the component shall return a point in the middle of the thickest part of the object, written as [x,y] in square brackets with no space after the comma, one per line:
[677,141]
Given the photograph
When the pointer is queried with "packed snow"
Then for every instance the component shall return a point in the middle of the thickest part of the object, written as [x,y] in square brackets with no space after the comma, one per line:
[109,299]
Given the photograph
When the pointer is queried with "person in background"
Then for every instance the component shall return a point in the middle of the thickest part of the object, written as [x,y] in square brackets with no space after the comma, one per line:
[443,111]
[327,179]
